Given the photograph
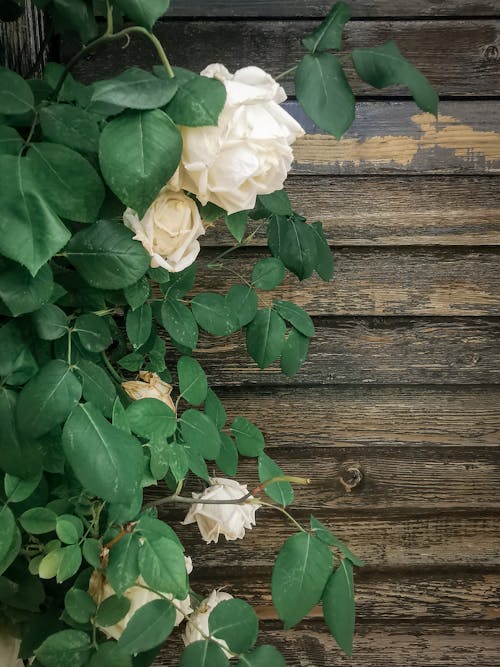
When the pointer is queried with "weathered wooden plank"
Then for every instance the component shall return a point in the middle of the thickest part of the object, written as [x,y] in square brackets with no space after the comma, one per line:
[393,210]
[466,65]
[416,644]
[396,541]
[377,282]
[22,40]
[365,350]
[370,416]
[318,8]
[382,480]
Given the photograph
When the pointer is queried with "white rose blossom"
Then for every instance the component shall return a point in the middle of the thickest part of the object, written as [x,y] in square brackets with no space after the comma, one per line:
[249,152]
[9,650]
[198,621]
[229,520]
[100,590]
[149,385]
[169,230]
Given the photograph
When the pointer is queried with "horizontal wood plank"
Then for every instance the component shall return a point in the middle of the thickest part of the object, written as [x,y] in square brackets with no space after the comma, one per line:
[466,65]
[371,350]
[377,282]
[416,644]
[392,210]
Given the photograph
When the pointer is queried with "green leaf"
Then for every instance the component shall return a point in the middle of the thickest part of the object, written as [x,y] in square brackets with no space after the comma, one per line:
[200,433]
[294,242]
[15,94]
[64,648]
[106,255]
[149,626]
[197,465]
[18,489]
[139,152]
[324,93]
[262,656]
[10,141]
[76,15]
[49,565]
[244,302]
[214,409]
[30,231]
[98,388]
[91,551]
[179,322]
[24,293]
[138,293]
[19,456]
[193,385]
[10,538]
[277,202]
[236,623]
[50,322]
[38,520]
[68,125]
[328,35]
[93,332]
[69,528]
[213,313]
[227,461]
[68,181]
[210,212]
[300,574]
[111,610]
[17,363]
[297,317]
[47,399]
[237,224]
[79,605]
[198,101]
[123,565]
[385,65]
[107,461]
[249,438]
[324,264]
[145,13]
[179,283]
[265,337]
[326,536]
[162,565]
[138,324]
[339,607]
[150,418]
[294,352]
[70,562]
[135,89]
[110,655]
[132,362]
[178,461]
[204,654]
[280,492]
[268,273]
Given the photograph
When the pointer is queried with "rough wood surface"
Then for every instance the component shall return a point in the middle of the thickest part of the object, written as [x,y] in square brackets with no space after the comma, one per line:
[372,350]
[468,64]
[22,40]
[392,210]
[378,282]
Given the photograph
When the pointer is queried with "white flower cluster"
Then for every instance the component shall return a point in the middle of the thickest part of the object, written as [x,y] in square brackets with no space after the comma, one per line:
[248,153]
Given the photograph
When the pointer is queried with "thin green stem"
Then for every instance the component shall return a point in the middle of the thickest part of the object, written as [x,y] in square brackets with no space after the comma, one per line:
[282,510]
[285,73]
[70,331]
[111,369]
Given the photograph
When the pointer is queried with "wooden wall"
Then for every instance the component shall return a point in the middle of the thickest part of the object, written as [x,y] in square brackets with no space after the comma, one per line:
[396,414]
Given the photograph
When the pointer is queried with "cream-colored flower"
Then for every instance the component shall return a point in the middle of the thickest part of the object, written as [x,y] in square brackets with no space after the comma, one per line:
[150,385]
[99,590]
[225,519]
[9,650]
[199,620]
[169,230]
[249,152]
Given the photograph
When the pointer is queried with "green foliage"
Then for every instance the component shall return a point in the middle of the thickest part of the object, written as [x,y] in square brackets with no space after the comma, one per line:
[294,352]
[268,273]
[297,317]
[70,126]
[200,433]
[23,293]
[328,35]
[162,566]
[144,13]
[338,605]
[237,224]
[138,324]
[280,492]
[214,314]
[193,383]
[50,322]
[322,532]
[203,654]
[265,337]
[180,323]
[54,651]
[262,656]
[235,622]
[93,332]
[293,241]
[135,89]
[148,627]
[79,605]
[150,418]
[243,302]
[123,565]
[249,439]
[10,538]
[15,94]
[198,101]
[111,610]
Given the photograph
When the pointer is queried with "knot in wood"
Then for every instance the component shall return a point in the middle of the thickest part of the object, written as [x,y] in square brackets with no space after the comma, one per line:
[491,52]
[350,478]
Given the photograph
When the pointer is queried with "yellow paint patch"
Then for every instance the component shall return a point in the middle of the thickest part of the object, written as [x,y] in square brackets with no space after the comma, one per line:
[447,133]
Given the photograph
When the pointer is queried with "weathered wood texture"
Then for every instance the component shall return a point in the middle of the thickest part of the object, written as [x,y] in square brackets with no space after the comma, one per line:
[22,42]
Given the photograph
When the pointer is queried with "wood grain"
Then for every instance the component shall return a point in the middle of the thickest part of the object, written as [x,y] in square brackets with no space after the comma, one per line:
[468,63]
[378,644]
[392,210]
[377,282]
[372,350]
[21,41]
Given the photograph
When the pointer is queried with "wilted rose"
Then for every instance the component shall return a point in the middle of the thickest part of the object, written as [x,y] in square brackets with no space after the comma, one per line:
[150,385]
[249,152]
[229,520]
[199,620]
[169,230]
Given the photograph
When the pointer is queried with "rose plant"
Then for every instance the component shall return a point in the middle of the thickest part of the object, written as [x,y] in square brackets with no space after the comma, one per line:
[106,190]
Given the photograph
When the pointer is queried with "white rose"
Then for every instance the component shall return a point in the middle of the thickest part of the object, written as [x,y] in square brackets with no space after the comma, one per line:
[9,650]
[199,620]
[249,152]
[99,589]
[150,385]
[228,520]
[169,230]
